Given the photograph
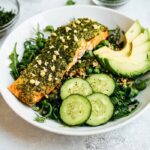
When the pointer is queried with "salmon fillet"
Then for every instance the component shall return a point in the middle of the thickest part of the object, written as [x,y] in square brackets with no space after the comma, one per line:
[63,48]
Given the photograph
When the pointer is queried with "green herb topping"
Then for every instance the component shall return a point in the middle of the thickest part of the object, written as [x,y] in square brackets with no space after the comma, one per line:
[6,16]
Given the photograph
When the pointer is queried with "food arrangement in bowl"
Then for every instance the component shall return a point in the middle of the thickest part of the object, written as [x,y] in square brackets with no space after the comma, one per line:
[83,73]
[79,76]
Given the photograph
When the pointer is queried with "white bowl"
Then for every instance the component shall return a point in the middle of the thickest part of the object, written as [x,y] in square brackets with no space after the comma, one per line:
[58,17]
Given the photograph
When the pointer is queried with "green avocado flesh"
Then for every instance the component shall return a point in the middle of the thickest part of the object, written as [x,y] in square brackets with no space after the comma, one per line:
[142,38]
[133,59]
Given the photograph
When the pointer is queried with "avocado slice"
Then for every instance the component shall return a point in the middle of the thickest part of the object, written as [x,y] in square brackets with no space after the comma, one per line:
[134,31]
[143,37]
[136,64]
[133,59]
[130,35]
[107,52]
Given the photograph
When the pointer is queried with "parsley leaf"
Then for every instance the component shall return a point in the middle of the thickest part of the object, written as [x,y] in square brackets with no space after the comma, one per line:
[70,2]
[49,28]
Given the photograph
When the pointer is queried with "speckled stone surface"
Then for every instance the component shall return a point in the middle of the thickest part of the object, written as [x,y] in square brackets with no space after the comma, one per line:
[16,134]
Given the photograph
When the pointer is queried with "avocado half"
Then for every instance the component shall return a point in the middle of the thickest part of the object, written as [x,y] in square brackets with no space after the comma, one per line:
[134,59]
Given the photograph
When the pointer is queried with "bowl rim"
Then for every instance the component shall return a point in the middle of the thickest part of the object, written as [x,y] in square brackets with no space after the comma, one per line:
[11,22]
[109,4]
[8,27]
[65,132]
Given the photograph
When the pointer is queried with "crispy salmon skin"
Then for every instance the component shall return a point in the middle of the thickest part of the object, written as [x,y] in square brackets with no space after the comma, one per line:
[63,48]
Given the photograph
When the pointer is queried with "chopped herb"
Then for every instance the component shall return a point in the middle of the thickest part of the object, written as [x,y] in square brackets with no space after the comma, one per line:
[40,119]
[6,16]
[70,2]
[49,28]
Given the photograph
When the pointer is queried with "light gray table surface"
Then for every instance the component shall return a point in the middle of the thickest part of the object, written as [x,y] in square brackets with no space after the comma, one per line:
[16,134]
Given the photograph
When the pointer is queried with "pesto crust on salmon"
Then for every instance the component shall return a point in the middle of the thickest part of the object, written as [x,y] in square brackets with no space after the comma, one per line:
[64,47]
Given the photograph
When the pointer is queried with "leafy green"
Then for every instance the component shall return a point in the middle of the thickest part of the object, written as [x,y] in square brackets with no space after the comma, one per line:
[40,119]
[115,40]
[140,84]
[44,108]
[49,28]
[70,2]
[114,36]
[32,48]
[14,63]
[123,97]
[123,101]
[48,108]
[35,108]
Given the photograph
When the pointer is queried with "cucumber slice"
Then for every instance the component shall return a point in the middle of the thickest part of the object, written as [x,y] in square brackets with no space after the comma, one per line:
[102,83]
[75,110]
[102,109]
[75,86]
